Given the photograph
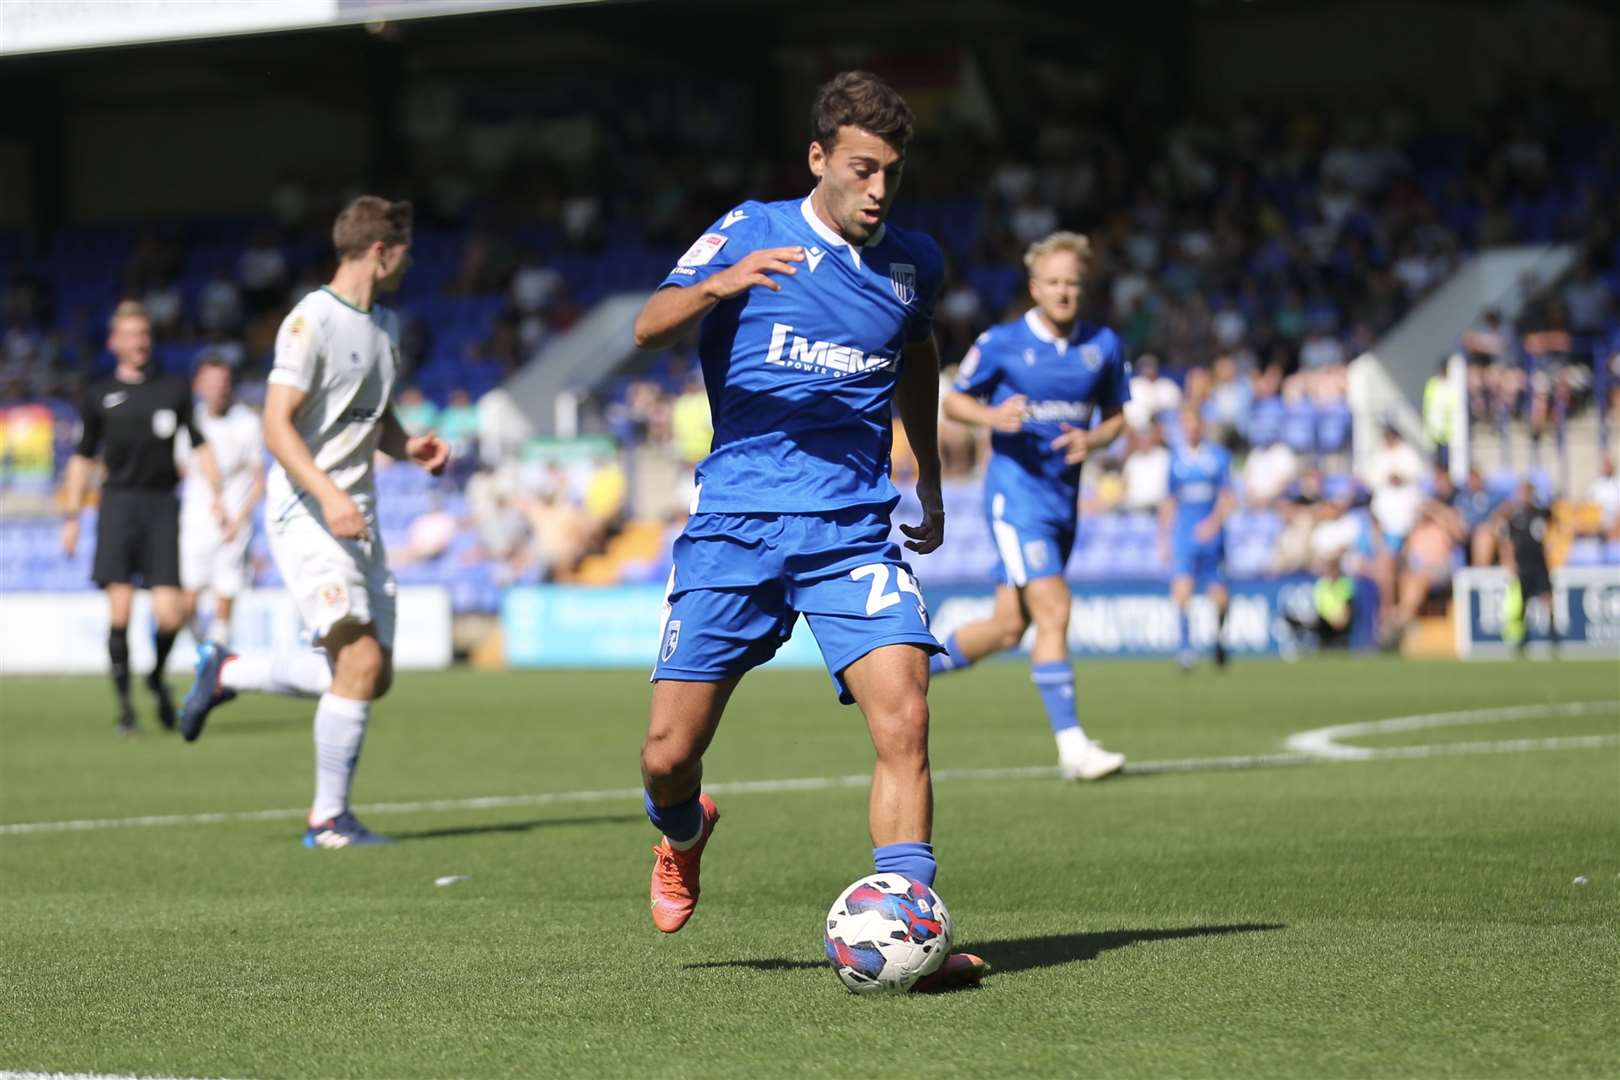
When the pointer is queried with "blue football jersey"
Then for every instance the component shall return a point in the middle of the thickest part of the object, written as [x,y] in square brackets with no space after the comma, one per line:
[801,381]
[1066,381]
[1198,475]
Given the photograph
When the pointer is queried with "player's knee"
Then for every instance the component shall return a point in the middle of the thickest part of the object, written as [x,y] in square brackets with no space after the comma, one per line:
[902,731]
[360,668]
[664,754]
[1009,630]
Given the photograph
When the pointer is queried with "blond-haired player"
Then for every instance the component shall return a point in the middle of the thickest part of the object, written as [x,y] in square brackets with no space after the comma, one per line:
[328,410]
[1051,388]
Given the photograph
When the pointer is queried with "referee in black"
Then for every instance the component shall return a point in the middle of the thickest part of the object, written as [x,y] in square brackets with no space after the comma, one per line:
[131,420]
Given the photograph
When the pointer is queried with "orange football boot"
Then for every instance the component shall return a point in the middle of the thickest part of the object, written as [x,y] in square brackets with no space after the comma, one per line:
[960,971]
[675,885]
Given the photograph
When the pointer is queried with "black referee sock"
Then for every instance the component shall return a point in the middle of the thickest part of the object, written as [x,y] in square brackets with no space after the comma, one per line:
[118,653]
[165,642]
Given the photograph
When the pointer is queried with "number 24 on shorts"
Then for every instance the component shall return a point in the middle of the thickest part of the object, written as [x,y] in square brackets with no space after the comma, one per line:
[879,598]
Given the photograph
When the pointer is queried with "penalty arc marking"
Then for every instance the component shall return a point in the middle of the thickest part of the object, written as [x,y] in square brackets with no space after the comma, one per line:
[1315,747]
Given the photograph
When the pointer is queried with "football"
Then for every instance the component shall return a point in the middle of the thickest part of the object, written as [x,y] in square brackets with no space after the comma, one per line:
[885,932]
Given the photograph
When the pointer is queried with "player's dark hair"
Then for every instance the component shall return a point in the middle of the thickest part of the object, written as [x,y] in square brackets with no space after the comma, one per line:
[859,99]
[367,220]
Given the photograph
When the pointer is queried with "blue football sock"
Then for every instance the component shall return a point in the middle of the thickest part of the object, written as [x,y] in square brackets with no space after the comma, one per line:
[951,659]
[681,822]
[913,858]
[1055,681]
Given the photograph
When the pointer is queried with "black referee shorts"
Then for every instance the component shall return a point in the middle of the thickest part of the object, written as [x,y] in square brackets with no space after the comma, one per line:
[138,539]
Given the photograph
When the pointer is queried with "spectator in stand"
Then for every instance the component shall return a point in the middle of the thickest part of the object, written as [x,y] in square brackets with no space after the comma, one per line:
[1152,394]
[534,286]
[1301,512]
[458,423]
[1393,476]
[262,271]
[1554,376]
[1146,469]
[1587,299]
[1268,474]
[1321,350]
[1476,504]
[1230,395]
[219,306]
[1494,381]
[1604,493]
[1439,406]
[689,422]
[1425,559]
[417,414]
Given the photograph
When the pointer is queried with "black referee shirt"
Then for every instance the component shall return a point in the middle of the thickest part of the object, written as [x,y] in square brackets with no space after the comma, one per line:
[133,426]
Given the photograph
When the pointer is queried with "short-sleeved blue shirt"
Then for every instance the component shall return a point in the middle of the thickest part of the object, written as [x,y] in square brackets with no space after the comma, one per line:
[1198,475]
[801,381]
[1066,381]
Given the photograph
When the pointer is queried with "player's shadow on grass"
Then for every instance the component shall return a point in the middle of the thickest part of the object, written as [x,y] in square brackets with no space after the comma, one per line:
[517,826]
[1008,955]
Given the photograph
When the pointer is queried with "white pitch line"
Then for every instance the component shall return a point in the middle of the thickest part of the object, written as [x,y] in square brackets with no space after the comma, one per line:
[1316,747]
[1323,742]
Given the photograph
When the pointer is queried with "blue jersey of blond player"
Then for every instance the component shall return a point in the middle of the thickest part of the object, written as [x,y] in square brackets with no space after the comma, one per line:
[1199,473]
[1031,493]
[793,501]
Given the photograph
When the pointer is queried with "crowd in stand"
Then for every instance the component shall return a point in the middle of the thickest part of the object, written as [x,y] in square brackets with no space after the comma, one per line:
[1243,262]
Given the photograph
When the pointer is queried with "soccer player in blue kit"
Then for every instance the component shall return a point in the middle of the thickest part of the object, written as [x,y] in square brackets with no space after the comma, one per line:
[1036,382]
[1192,524]
[816,319]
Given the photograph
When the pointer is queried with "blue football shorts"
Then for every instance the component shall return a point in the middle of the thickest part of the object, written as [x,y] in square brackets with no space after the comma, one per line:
[1204,563]
[1028,550]
[740,582]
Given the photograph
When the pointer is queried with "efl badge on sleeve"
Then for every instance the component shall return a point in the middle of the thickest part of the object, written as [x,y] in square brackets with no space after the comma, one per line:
[903,279]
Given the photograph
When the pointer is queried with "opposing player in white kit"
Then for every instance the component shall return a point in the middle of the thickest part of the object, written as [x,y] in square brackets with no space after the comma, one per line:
[214,556]
[329,408]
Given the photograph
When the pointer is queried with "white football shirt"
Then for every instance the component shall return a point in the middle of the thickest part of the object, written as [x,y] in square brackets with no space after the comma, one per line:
[237,441]
[345,360]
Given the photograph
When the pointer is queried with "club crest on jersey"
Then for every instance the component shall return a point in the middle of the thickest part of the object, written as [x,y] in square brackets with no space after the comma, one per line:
[164,423]
[672,640]
[903,280]
[1091,356]
[1029,357]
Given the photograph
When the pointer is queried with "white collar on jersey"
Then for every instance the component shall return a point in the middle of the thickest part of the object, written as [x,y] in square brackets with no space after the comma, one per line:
[1038,328]
[823,230]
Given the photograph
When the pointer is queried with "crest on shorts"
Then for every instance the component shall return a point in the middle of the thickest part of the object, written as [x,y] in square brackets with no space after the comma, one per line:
[903,280]
[333,595]
[672,638]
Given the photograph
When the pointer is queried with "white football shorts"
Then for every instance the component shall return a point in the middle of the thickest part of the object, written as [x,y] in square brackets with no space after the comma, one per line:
[334,581]
[209,563]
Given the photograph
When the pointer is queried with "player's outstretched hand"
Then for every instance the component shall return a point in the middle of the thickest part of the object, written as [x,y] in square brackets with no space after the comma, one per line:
[70,536]
[1008,417]
[428,451]
[753,269]
[1073,444]
[343,517]
[930,533]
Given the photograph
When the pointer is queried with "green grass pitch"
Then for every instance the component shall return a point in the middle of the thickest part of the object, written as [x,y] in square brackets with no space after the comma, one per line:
[1390,917]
